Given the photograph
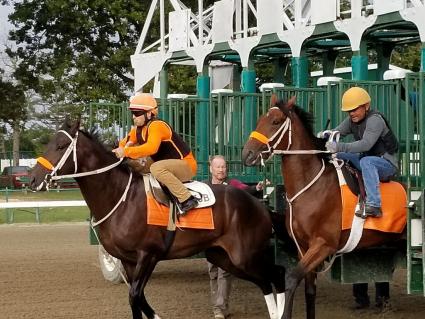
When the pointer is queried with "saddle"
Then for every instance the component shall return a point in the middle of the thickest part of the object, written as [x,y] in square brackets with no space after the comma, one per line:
[162,212]
[201,191]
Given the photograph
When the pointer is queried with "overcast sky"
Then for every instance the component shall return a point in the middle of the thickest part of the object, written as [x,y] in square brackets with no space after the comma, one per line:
[4,29]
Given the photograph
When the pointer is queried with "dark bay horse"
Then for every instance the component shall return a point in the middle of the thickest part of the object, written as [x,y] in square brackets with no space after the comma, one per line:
[238,244]
[312,188]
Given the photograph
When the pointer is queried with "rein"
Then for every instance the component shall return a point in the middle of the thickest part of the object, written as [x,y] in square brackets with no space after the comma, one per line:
[72,148]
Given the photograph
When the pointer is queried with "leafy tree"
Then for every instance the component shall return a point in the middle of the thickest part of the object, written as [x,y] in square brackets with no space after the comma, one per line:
[12,112]
[77,50]
[407,56]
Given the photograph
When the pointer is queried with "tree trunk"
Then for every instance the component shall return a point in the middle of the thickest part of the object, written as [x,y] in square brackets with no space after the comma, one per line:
[3,154]
[16,134]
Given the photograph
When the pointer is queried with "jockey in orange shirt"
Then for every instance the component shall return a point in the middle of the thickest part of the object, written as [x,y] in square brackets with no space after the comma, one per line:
[174,162]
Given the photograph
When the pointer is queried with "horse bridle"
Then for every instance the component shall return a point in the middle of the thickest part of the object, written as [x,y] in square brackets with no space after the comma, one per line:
[72,148]
[286,126]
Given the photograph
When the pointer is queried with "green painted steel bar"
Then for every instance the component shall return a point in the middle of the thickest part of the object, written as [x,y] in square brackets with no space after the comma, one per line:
[300,71]
[202,129]
[421,115]
[248,82]
[248,85]
[423,57]
[359,65]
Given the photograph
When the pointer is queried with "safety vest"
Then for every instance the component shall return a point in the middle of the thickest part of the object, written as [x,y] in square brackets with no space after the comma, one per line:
[385,144]
[174,148]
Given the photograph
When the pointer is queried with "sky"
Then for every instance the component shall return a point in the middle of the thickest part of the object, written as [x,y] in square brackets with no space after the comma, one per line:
[5,26]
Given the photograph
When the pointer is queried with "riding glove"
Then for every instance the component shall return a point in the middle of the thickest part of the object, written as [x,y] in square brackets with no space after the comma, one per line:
[332,147]
[324,134]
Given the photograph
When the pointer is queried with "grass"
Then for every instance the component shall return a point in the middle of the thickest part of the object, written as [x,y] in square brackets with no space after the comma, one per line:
[48,214]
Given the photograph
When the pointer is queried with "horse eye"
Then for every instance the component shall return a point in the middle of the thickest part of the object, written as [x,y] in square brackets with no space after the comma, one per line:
[276,122]
[60,147]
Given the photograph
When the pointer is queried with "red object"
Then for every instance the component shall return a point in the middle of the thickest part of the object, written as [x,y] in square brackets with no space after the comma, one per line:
[14,177]
[238,184]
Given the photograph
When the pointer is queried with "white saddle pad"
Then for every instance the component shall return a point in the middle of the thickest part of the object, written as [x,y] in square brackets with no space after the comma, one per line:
[202,192]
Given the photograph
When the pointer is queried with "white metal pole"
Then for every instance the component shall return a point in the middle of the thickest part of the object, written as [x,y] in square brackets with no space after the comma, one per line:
[245,18]
[201,21]
[146,27]
[237,7]
[162,24]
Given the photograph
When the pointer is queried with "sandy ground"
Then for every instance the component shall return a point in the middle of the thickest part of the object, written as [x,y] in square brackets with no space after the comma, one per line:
[50,271]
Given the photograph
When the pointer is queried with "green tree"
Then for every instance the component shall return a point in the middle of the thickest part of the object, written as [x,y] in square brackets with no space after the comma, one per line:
[77,50]
[13,112]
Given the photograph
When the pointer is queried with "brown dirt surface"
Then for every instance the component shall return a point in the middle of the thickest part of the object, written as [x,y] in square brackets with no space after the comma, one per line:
[50,271]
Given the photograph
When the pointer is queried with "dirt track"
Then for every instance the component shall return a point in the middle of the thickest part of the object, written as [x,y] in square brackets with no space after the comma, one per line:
[51,271]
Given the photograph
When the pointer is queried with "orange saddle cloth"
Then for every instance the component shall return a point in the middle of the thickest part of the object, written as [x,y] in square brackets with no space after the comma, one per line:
[394,210]
[198,218]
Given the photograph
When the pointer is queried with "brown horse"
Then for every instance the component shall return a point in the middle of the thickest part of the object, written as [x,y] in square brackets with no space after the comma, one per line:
[238,244]
[315,219]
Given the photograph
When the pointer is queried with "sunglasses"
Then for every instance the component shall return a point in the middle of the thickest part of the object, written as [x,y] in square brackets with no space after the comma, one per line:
[138,113]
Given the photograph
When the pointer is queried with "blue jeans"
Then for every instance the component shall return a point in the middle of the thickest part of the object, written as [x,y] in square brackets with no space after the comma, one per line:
[374,169]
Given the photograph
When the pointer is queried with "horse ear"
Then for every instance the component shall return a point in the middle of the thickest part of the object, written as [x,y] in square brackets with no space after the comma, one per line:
[273,100]
[67,123]
[291,102]
[74,127]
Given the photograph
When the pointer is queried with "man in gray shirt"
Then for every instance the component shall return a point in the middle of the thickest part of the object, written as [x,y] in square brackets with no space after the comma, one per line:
[374,150]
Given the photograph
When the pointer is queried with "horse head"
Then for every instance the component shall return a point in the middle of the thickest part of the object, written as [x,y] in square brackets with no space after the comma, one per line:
[56,159]
[270,133]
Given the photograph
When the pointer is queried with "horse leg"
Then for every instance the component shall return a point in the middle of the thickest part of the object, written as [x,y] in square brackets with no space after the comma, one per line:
[146,263]
[314,256]
[310,294]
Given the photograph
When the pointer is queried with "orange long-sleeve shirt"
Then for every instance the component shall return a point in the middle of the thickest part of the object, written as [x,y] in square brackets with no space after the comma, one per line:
[157,132]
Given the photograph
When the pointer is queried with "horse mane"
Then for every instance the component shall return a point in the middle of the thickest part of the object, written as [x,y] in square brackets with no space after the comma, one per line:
[307,119]
[94,135]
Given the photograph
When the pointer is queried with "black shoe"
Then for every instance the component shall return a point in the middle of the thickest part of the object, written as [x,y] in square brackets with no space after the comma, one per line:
[373,211]
[188,204]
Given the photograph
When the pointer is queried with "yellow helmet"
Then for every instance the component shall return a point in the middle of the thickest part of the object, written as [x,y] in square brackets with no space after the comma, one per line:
[353,98]
[143,101]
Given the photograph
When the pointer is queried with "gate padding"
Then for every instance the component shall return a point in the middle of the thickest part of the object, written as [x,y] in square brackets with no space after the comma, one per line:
[394,210]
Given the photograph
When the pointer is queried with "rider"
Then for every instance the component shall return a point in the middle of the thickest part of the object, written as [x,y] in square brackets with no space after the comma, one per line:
[374,150]
[174,162]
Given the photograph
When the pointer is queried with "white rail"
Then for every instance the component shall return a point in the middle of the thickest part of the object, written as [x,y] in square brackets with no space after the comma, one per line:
[39,204]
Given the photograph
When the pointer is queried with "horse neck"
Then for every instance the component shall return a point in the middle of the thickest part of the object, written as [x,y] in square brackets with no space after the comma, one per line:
[299,169]
[101,191]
